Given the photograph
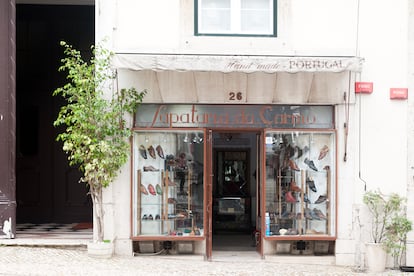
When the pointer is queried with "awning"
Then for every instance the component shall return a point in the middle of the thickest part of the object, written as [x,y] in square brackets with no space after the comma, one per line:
[242,64]
[238,79]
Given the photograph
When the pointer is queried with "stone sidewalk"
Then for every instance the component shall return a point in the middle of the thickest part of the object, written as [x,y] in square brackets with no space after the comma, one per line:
[22,260]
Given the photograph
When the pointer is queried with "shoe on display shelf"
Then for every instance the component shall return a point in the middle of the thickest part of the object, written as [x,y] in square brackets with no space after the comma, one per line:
[158,189]
[293,165]
[321,199]
[324,151]
[294,187]
[160,151]
[151,152]
[144,190]
[150,169]
[311,183]
[319,213]
[143,152]
[310,164]
[151,189]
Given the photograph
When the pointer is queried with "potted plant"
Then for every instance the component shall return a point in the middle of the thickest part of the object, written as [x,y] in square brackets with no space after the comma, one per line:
[396,236]
[96,135]
[389,228]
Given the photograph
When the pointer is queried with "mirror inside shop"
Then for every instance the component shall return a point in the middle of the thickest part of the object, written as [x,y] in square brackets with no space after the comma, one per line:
[168,195]
[300,183]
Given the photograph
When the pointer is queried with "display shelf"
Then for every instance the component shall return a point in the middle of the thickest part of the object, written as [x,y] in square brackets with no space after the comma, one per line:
[165,197]
[299,186]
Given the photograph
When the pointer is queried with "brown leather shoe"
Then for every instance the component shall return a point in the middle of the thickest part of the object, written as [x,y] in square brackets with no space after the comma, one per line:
[324,151]
[160,151]
[151,152]
[144,190]
[293,165]
[172,200]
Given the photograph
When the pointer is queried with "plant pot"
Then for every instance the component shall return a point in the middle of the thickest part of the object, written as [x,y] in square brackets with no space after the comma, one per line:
[376,257]
[102,250]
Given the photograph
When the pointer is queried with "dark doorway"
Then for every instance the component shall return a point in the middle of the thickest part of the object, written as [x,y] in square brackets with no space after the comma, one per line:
[47,189]
[234,191]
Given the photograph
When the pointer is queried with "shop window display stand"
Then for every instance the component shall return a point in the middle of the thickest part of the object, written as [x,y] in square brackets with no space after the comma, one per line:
[170,215]
[297,210]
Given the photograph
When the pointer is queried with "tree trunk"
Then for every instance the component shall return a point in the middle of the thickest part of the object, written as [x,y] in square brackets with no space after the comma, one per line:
[98,213]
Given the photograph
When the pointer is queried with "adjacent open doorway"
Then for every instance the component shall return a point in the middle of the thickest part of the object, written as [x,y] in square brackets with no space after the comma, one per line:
[235,191]
[47,189]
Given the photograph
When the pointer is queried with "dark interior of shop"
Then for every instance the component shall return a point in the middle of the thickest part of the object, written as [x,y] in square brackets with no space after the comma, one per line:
[234,191]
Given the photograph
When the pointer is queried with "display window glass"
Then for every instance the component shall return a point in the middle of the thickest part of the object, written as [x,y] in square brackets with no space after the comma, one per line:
[300,183]
[168,190]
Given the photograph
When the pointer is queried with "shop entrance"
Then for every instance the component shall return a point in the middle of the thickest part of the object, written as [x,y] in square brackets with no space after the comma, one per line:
[234,191]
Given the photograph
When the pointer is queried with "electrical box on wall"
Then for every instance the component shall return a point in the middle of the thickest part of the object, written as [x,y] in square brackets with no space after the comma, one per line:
[398,93]
[364,87]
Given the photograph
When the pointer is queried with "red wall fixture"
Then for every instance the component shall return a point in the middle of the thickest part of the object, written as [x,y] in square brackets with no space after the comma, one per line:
[398,93]
[364,87]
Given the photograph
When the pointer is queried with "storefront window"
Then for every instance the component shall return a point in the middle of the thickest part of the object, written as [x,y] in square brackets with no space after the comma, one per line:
[168,182]
[300,183]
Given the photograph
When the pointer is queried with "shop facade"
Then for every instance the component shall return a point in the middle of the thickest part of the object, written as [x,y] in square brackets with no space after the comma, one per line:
[293,207]
[265,170]
[269,133]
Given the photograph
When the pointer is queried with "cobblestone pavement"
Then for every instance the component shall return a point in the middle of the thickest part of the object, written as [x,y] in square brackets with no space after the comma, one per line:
[20,260]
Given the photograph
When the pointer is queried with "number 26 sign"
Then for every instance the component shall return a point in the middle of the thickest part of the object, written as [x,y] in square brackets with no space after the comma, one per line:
[235,96]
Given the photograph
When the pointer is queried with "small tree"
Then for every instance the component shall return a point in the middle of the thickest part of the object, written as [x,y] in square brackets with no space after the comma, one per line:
[96,135]
[396,237]
[381,210]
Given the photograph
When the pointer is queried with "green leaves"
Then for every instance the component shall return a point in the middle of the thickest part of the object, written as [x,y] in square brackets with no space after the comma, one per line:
[96,133]
[389,222]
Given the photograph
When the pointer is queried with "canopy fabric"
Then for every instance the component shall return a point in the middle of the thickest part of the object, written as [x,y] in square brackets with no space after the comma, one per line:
[241,64]
[254,88]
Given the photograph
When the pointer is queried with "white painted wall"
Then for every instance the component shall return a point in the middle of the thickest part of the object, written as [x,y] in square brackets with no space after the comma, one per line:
[320,27]
[379,131]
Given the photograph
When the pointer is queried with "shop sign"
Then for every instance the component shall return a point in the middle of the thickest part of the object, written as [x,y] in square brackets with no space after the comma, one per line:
[233,116]
[399,93]
[245,64]
[364,87]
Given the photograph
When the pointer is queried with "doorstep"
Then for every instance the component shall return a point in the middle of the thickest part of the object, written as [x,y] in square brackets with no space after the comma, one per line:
[322,260]
[48,239]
